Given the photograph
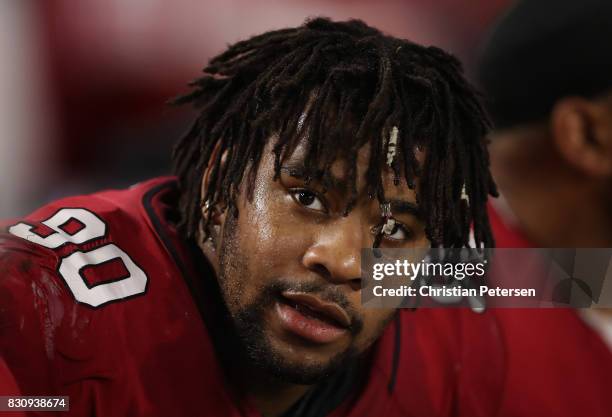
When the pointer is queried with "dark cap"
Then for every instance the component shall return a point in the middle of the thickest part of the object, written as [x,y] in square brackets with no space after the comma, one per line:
[543,50]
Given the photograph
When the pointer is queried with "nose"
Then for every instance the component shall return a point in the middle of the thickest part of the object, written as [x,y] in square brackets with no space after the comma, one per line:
[336,252]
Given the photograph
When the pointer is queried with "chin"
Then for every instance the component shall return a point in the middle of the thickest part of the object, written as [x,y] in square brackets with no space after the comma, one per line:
[300,372]
[299,362]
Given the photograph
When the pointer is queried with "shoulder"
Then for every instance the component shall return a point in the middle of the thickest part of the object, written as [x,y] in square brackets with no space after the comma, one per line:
[97,301]
[90,241]
[33,303]
[67,272]
[83,219]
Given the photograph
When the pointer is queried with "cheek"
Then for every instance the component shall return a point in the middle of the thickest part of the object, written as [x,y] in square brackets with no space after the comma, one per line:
[374,323]
[268,244]
[273,234]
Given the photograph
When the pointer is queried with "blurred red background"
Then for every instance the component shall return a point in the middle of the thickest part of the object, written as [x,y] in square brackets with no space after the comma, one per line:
[84,83]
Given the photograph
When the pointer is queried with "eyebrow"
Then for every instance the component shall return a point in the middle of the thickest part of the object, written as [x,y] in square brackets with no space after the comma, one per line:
[397,206]
[404,207]
[299,171]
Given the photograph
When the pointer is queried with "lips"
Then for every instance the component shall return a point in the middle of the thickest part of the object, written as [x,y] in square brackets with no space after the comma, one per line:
[311,318]
[328,311]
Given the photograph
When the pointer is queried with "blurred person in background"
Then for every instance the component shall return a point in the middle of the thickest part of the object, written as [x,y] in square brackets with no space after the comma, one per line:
[547,73]
[236,289]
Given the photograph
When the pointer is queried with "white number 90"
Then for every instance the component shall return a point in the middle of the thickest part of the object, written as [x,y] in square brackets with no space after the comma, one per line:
[92,227]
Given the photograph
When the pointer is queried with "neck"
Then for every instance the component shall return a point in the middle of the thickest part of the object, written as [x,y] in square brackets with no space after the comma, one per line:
[569,216]
[584,227]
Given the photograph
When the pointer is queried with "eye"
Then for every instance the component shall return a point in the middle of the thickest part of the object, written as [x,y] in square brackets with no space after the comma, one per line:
[308,199]
[399,232]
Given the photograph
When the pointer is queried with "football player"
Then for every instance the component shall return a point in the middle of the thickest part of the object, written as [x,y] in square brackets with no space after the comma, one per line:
[234,288]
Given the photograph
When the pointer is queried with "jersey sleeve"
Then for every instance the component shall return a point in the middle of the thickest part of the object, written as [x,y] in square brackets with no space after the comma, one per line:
[30,302]
[32,307]
[51,343]
[95,304]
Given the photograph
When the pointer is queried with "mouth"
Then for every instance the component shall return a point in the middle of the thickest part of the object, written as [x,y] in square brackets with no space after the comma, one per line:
[311,318]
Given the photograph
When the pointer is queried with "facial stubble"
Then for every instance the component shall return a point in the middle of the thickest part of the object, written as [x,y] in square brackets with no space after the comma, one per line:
[248,320]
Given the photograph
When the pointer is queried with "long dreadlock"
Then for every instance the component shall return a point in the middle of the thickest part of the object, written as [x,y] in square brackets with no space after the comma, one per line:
[339,86]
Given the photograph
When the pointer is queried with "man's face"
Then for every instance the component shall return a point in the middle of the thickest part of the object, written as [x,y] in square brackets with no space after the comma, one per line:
[289,267]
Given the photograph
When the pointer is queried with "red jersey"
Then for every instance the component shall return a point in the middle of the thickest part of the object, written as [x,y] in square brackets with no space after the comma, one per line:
[557,365]
[102,301]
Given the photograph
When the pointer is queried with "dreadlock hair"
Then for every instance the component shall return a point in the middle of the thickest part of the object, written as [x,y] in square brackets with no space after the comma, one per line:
[339,86]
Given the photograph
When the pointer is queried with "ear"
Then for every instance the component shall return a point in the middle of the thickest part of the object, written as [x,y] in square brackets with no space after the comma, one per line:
[216,212]
[582,133]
